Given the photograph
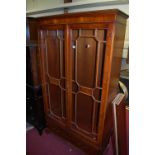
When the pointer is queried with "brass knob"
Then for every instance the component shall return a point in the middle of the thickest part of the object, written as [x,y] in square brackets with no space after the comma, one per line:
[73,46]
[87,46]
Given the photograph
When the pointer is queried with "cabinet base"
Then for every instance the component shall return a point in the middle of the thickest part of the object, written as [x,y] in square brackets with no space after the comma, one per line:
[87,147]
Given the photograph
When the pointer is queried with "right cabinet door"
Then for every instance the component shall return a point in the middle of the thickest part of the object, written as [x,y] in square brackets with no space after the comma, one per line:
[88,46]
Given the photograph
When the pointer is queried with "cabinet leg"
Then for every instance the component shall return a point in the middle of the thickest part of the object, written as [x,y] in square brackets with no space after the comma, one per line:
[40,130]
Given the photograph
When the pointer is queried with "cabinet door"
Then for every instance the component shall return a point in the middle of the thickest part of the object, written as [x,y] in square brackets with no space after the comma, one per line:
[88,45]
[53,75]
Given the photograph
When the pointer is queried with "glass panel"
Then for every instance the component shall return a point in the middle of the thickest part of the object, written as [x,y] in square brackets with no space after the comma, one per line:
[75,87]
[87,32]
[62,58]
[96,117]
[55,99]
[55,68]
[60,34]
[100,35]
[97,94]
[73,108]
[75,34]
[84,112]
[63,83]
[86,56]
[73,59]
[101,64]
[53,54]
[64,103]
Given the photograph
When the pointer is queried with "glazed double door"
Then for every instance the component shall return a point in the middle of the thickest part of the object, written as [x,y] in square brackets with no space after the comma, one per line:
[72,59]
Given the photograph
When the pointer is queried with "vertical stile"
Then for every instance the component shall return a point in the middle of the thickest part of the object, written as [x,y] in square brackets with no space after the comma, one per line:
[68,69]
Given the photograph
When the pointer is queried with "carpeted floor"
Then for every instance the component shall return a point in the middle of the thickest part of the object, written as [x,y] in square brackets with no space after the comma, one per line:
[51,144]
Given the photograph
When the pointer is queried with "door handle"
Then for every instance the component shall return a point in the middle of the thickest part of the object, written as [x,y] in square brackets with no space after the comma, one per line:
[73,46]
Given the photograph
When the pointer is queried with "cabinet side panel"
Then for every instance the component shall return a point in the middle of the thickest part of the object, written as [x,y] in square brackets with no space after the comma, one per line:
[114,79]
[116,60]
[112,65]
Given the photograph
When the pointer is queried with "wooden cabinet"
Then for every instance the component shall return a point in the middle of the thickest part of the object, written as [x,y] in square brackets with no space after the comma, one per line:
[80,57]
[34,99]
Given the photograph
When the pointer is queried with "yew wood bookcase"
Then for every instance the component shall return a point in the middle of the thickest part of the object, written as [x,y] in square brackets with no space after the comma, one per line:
[80,57]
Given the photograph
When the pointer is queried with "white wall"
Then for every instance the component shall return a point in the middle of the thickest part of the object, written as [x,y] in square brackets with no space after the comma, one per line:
[32,5]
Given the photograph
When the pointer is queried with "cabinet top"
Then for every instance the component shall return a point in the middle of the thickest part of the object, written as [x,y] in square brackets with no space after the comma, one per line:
[110,15]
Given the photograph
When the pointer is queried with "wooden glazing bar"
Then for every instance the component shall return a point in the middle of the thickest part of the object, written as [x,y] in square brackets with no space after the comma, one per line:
[86,90]
[97,64]
[60,54]
[93,117]
[68,68]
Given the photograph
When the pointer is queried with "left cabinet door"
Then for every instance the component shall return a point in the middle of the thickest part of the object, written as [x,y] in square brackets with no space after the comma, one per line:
[51,40]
